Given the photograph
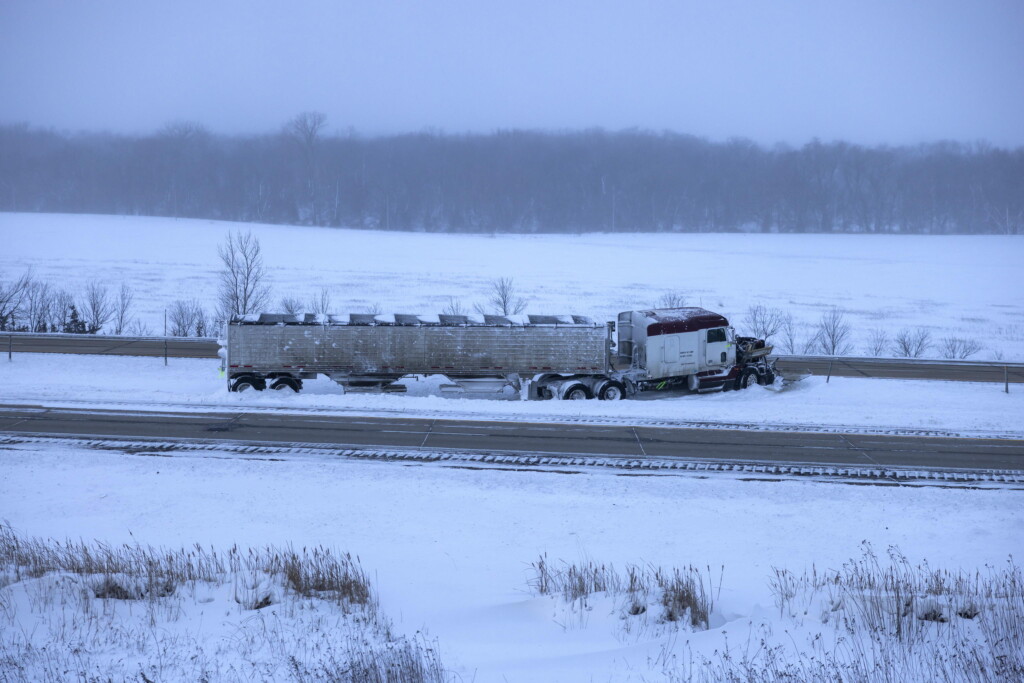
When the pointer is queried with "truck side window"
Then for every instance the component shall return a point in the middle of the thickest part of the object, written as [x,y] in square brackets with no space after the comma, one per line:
[716,335]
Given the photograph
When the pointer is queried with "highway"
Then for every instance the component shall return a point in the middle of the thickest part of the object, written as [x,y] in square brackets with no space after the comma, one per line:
[706,445]
[882,368]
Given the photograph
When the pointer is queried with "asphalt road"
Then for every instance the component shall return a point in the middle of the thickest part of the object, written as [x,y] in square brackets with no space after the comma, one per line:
[851,450]
[887,368]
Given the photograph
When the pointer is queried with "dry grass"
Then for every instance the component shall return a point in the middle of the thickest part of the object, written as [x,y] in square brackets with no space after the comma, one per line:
[683,595]
[875,620]
[119,612]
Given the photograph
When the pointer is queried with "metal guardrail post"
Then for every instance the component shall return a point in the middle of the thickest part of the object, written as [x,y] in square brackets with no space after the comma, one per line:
[1006,379]
[829,376]
[10,348]
[165,351]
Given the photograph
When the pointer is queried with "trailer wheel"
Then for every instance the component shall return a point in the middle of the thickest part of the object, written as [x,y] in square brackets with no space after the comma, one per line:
[747,379]
[286,383]
[248,382]
[576,392]
[612,391]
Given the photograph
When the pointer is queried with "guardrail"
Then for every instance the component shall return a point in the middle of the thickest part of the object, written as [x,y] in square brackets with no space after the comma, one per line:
[829,366]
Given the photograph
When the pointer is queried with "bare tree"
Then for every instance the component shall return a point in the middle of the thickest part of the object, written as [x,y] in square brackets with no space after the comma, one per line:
[504,298]
[96,307]
[454,307]
[911,343]
[833,333]
[790,334]
[243,288]
[958,348]
[38,307]
[64,317]
[375,308]
[320,302]
[763,322]
[188,318]
[878,342]
[139,329]
[123,308]
[672,299]
[11,296]
[291,305]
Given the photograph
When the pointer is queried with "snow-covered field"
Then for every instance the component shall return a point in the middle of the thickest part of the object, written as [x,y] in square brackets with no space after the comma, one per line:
[449,549]
[963,408]
[962,286]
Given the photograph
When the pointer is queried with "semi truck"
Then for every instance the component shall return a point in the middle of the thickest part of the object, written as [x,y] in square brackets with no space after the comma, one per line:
[530,357]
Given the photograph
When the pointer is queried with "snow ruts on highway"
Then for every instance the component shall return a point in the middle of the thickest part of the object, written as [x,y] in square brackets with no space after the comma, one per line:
[567,463]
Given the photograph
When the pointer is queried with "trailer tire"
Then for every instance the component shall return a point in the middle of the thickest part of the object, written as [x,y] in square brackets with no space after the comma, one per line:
[286,383]
[747,379]
[612,391]
[576,392]
[248,382]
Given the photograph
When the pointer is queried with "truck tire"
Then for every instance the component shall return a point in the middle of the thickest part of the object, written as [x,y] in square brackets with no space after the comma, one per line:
[576,392]
[612,391]
[248,382]
[286,383]
[747,379]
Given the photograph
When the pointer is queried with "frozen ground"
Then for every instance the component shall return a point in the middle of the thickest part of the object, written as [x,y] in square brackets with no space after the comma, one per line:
[966,408]
[449,549]
[965,286]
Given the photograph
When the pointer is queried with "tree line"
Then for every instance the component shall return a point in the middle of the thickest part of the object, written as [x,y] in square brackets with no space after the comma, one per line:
[515,181]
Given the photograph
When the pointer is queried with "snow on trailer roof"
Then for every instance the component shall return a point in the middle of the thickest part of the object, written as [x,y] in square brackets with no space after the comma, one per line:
[410,319]
[676,320]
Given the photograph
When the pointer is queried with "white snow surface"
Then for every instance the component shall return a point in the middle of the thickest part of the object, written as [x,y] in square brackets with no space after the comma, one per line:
[962,286]
[967,408]
[449,549]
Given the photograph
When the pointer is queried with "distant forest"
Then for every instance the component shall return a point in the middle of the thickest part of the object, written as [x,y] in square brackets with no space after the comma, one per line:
[515,181]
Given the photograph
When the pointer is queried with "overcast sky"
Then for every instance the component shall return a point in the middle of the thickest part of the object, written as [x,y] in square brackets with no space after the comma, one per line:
[869,71]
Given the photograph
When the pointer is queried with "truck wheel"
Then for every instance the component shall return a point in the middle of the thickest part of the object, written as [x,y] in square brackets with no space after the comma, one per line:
[769,378]
[286,383]
[612,391]
[747,379]
[576,392]
[247,383]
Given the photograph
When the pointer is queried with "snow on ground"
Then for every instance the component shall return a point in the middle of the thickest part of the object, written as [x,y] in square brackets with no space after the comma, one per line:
[449,549]
[966,286]
[117,381]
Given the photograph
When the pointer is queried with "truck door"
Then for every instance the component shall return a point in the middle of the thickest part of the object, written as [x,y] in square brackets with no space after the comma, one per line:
[719,351]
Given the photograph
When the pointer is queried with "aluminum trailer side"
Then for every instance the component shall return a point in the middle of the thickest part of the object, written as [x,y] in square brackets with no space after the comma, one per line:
[272,347]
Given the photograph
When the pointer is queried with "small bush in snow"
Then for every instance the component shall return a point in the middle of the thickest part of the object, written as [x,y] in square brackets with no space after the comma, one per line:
[957,348]
[673,299]
[878,342]
[911,343]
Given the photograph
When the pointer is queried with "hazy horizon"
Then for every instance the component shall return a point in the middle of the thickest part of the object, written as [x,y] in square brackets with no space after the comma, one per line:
[871,73]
